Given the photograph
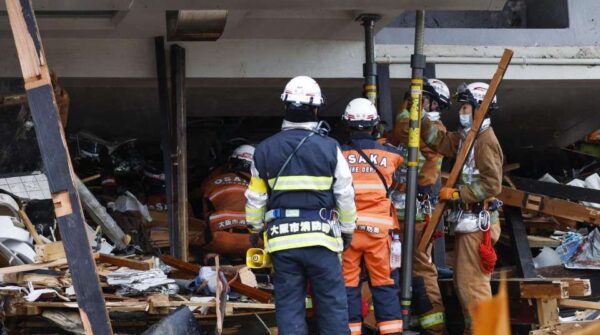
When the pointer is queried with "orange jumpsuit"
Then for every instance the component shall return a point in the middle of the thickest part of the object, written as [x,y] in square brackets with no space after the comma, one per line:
[426,292]
[224,201]
[371,240]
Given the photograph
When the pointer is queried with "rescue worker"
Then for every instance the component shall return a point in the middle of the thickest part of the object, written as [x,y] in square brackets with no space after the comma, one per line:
[475,217]
[224,202]
[301,195]
[372,165]
[428,304]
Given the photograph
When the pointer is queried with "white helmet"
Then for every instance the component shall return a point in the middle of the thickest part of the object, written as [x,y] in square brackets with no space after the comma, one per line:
[302,90]
[360,113]
[244,152]
[438,91]
[474,94]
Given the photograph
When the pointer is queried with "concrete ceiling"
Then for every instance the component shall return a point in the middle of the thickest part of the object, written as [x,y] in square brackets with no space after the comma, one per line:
[257,19]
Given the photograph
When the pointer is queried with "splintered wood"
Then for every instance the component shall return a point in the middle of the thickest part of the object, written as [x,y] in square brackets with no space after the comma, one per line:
[123,272]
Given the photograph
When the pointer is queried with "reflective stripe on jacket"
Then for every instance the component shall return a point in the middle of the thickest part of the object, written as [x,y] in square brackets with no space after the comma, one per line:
[316,177]
[374,207]
[224,200]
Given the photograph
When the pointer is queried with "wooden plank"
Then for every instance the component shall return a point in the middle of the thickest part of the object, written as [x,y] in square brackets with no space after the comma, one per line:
[540,242]
[57,165]
[144,305]
[30,227]
[547,312]
[578,287]
[100,216]
[219,305]
[570,328]
[179,108]
[181,265]
[36,266]
[90,178]
[462,154]
[546,290]
[127,262]
[251,292]
[49,252]
[550,206]
[38,279]
[158,304]
[236,285]
[520,245]
[31,267]
[166,143]
[579,304]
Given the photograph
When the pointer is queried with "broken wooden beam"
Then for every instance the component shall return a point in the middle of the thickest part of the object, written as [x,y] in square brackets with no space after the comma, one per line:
[144,305]
[236,285]
[126,262]
[37,266]
[158,304]
[57,165]
[49,251]
[180,265]
[579,304]
[547,312]
[541,241]
[99,215]
[219,301]
[544,289]
[30,227]
[549,206]
[559,208]
[578,287]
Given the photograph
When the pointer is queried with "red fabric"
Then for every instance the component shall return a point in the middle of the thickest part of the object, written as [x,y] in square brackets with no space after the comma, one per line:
[487,253]
[436,234]
[365,307]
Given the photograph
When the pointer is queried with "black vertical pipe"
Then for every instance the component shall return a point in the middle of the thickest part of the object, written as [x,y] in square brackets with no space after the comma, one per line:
[167,131]
[384,95]
[180,141]
[416,88]
[369,67]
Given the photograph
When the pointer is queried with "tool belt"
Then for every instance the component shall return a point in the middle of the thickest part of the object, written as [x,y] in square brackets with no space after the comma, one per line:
[470,218]
[424,206]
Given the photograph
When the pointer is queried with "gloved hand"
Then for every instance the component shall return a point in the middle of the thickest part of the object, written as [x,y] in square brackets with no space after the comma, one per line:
[347,239]
[449,193]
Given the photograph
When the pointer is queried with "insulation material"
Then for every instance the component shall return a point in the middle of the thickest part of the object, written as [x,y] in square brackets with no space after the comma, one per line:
[591,182]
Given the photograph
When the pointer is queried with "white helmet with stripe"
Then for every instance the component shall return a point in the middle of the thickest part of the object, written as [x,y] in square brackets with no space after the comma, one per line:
[244,152]
[360,113]
[474,94]
[438,91]
[302,90]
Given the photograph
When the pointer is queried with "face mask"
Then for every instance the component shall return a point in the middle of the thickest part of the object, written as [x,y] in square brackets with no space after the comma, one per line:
[465,121]
[433,116]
